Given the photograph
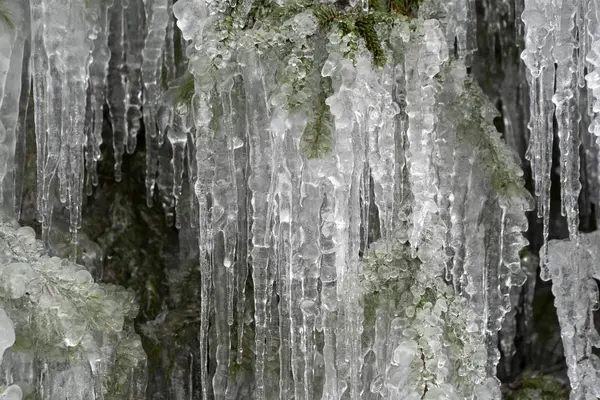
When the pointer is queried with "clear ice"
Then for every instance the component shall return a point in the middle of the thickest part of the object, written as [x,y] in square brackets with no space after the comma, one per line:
[363,193]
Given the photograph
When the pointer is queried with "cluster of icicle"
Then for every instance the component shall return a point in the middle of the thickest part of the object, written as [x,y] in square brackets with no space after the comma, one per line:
[61,334]
[401,145]
[73,58]
[562,55]
[395,147]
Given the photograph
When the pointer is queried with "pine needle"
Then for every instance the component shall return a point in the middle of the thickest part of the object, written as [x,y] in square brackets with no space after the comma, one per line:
[318,134]
[6,15]
[365,25]
[326,14]
[185,91]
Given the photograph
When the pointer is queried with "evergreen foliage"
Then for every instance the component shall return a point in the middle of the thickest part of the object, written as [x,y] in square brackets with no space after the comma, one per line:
[6,15]
[317,138]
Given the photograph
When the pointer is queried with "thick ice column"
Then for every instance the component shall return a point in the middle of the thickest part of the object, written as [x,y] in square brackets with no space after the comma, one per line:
[261,185]
[309,265]
[205,167]
[422,63]
[288,282]
[572,266]
[224,219]
[381,132]
[346,183]
[12,44]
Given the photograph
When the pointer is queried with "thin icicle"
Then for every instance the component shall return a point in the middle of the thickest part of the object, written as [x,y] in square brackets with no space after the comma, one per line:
[96,89]
[157,19]
[309,265]
[135,34]
[177,134]
[205,168]
[286,281]
[329,302]
[117,84]
[24,109]
[231,227]
[539,21]
[566,101]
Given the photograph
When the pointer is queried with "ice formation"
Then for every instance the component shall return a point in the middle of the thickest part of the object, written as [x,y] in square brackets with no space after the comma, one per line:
[358,216]
[62,335]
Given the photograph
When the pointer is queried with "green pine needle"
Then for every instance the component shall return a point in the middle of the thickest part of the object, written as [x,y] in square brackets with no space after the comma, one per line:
[6,15]
[326,14]
[365,24]
[185,91]
[405,7]
[318,134]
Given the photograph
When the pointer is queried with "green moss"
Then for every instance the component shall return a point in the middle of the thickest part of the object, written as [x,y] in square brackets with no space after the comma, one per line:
[498,161]
[539,386]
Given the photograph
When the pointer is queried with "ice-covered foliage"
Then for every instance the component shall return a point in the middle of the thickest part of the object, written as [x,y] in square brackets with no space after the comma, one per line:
[62,334]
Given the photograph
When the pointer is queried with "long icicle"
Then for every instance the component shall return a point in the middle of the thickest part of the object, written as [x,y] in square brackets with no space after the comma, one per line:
[539,18]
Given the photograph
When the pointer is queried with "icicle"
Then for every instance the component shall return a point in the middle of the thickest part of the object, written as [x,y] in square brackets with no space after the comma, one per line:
[96,89]
[421,92]
[76,85]
[224,219]
[240,145]
[382,158]
[329,302]
[135,33]
[21,158]
[40,94]
[117,83]
[286,281]
[309,265]
[169,45]
[223,345]
[11,63]
[539,20]
[461,216]
[259,182]
[177,135]
[572,265]
[231,211]
[156,22]
[205,168]
[565,100]
[349,147]
[60,136]
[460,27]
